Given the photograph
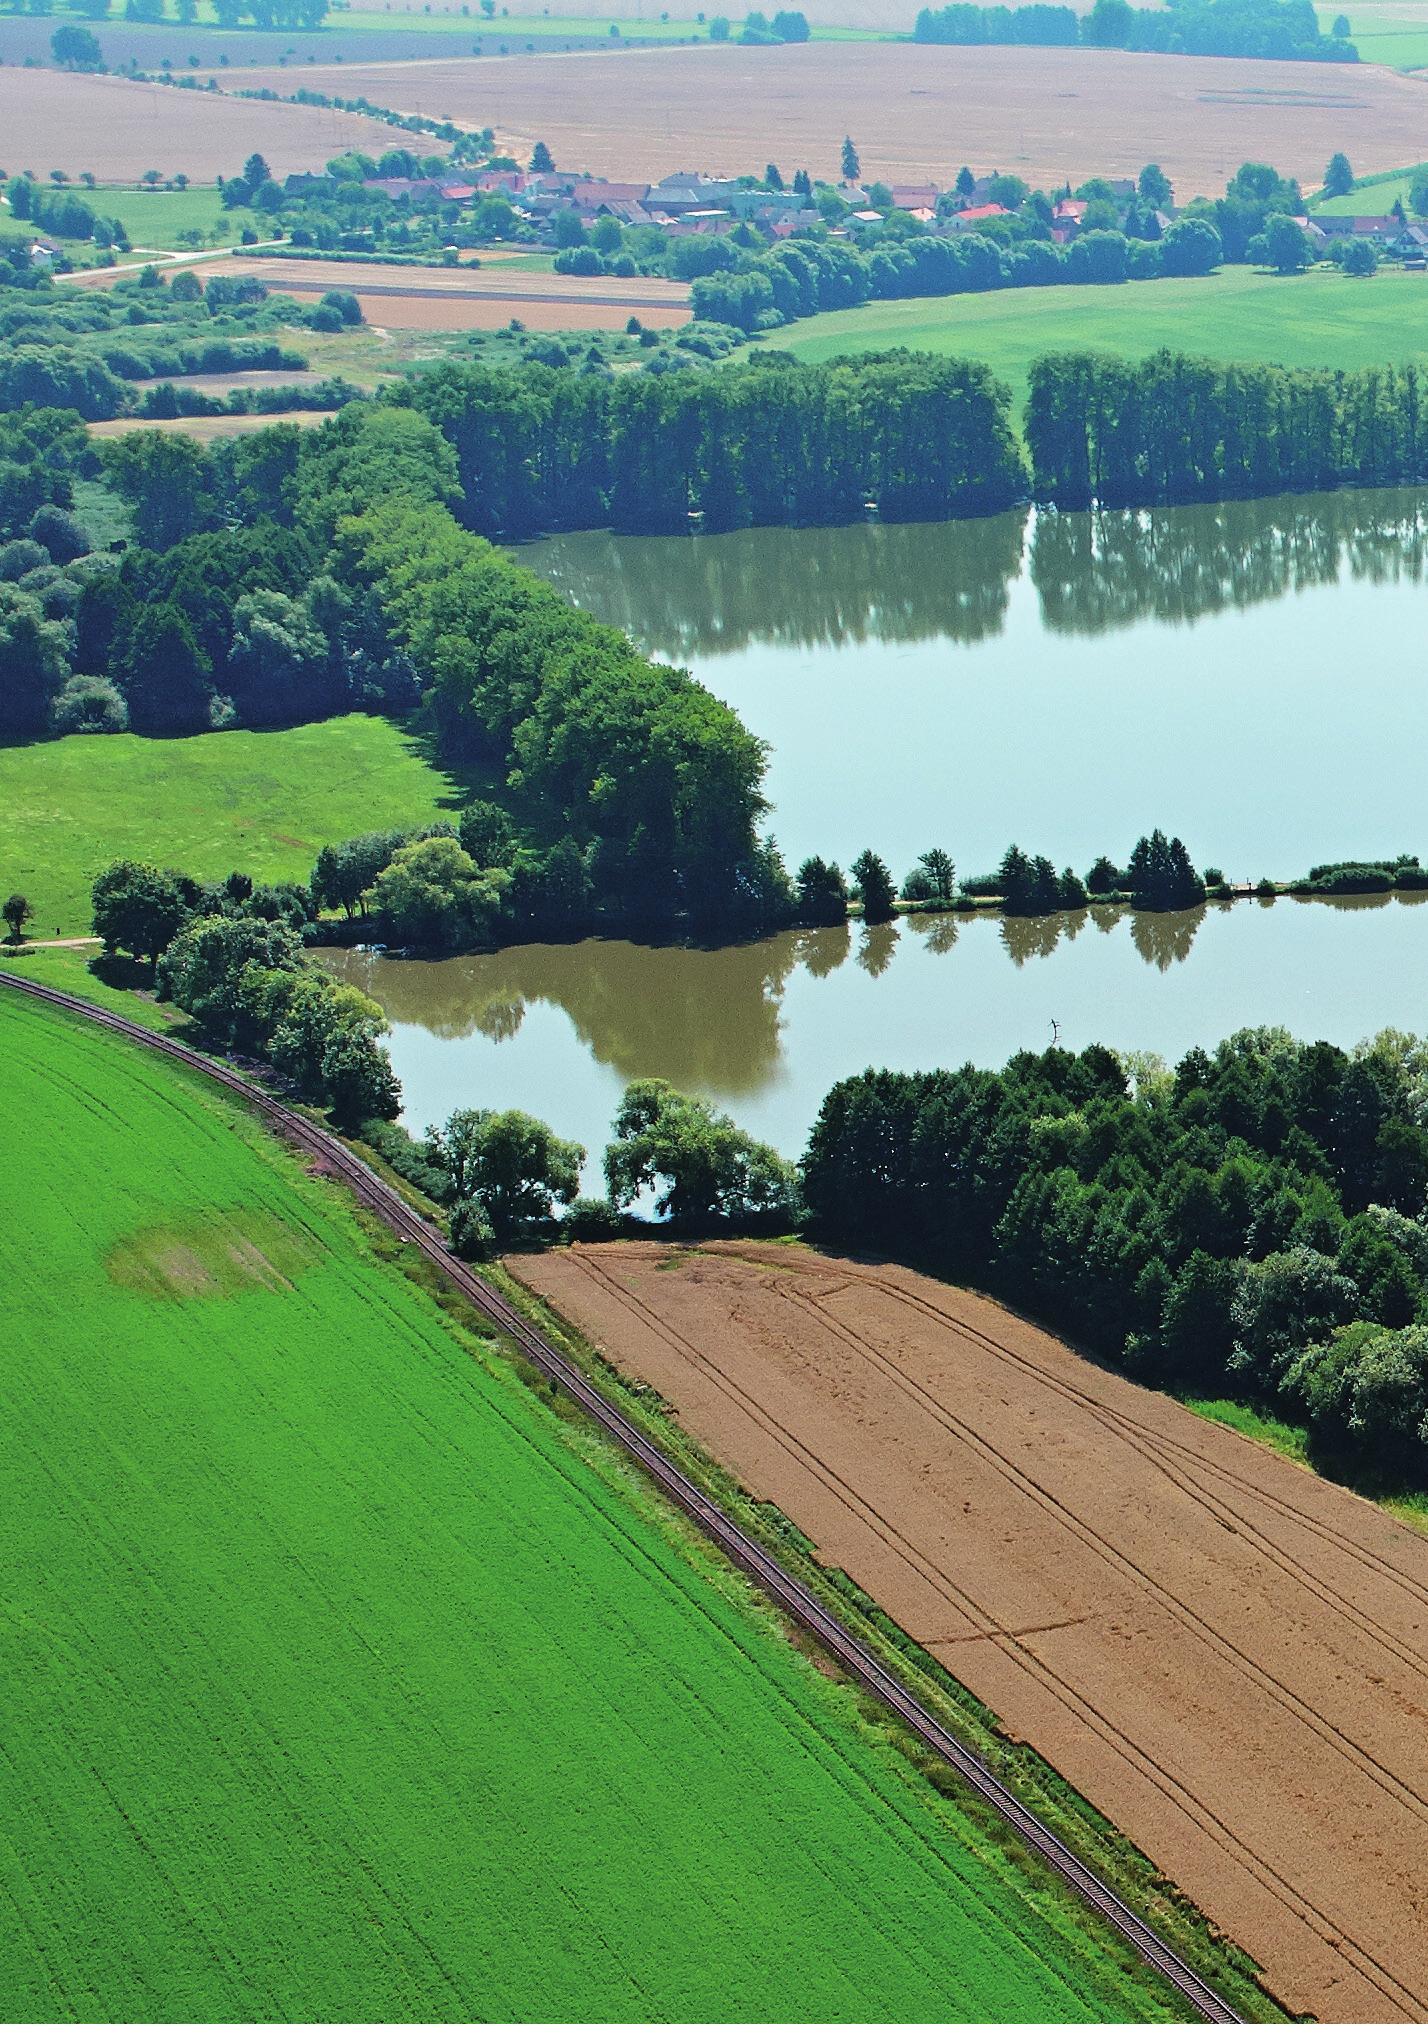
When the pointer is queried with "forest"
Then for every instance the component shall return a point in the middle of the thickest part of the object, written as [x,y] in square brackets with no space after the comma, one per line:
[1242,1225]
[768,443]
[1286,29]
[1170,429]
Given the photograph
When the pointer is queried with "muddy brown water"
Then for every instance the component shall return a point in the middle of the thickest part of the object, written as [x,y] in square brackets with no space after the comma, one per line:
[765,1028]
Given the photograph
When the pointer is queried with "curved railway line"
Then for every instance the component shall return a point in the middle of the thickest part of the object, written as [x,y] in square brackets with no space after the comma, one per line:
[743,1550]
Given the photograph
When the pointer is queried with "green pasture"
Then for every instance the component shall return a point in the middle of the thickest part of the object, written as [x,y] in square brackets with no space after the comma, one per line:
[1322,318]
[1396,35]
[342,1680]
[157,217]
[263,802]
[1372,196]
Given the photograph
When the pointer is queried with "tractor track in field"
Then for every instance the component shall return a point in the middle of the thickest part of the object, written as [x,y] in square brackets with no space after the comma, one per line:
[1037,1665]
[740,1547]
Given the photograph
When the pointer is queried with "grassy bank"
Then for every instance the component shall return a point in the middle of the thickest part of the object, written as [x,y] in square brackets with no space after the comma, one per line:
[345,1680]
[263,802]
[1317,319]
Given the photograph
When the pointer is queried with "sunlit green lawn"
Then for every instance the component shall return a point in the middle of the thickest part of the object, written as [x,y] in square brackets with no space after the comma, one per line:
[263,802]
[1317,319]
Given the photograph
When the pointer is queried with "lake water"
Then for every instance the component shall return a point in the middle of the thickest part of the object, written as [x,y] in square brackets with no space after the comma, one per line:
[1251,676]
[1248,676]
[766,1028]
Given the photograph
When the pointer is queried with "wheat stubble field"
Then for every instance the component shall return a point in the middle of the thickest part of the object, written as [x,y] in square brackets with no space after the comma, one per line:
[914,111]
[118,128]
[1226,1654]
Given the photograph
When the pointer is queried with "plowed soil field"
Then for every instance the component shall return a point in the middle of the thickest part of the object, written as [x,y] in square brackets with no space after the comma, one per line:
[118,128]
[1226,1654]
[914,111]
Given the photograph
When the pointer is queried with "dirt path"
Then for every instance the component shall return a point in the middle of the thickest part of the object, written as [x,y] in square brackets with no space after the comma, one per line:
[1227,1655]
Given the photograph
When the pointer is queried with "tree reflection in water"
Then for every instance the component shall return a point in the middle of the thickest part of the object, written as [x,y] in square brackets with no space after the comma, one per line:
[712,1019]
[1093,572]
[877,949]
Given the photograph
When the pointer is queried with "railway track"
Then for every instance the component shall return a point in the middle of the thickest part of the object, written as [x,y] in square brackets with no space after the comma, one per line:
[743,1550]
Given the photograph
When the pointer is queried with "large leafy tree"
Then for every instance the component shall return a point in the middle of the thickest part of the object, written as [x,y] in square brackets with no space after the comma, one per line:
[34,664]
[703,1164]
[165,676]
[511,1165]
[138,907]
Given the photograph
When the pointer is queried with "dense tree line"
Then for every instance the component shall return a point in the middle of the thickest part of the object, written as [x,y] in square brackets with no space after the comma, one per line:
[1169,429]
[768,443]
[1252,1223]
[231,955]
[754,290]
[1287,29]
[1033,27]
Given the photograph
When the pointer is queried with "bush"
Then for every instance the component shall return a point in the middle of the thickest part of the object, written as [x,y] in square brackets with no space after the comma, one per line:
[88,703]
[592,1219]
[469,1233]
[59,534]
[18,558]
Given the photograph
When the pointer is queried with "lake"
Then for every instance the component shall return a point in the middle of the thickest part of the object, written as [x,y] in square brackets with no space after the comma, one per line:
[765,1028]
[1249,676]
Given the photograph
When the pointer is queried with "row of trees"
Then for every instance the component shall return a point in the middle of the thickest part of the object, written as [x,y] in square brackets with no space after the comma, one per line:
[1170,429]
[1261,28]
[755,290]
[232,957]
[769,443]
[501,1175]
[1251,1223]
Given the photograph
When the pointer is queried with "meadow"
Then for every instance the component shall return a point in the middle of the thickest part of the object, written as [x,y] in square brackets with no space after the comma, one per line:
[344,1680]
[263,802]
[1373,197]
[1321,318]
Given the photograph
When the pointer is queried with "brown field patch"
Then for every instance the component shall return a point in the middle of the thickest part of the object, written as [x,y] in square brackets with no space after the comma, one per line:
[1227,1655]
[452,298]
[209,428]
[1046,114]
[442,298]
[125,128]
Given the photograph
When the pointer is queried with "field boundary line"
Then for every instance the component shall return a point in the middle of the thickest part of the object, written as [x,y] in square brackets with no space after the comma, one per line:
[739,1546]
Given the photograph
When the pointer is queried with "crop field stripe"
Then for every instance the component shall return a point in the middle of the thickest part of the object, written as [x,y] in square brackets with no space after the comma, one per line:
[744,1551]
[1036,1665]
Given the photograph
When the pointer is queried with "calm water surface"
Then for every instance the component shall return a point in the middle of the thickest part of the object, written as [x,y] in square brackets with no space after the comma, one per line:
[1250,676]
[766,1028]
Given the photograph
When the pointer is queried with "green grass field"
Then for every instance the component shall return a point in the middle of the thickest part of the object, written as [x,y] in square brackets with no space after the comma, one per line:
[263,802]
[1317,319]
[343,1681]
[1372,198]
[156,218]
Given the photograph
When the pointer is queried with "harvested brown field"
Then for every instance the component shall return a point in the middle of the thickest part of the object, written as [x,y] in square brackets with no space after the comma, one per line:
[441,298]
[1226,1654]
[208,428]
[1046,114]
[124,128]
